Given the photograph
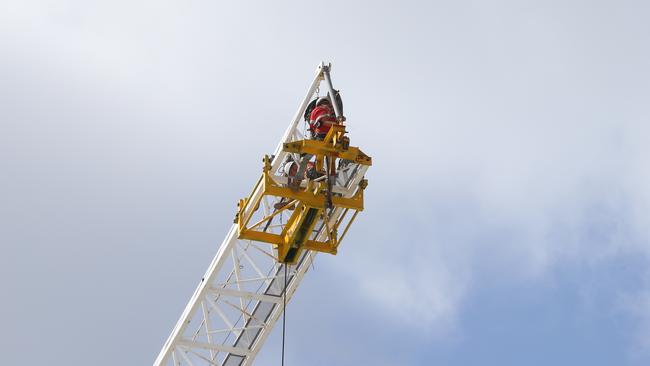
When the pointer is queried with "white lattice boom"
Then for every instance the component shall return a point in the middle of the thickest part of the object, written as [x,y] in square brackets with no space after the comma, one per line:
[236,304]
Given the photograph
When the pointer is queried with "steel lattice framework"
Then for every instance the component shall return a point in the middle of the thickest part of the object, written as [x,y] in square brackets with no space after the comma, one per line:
[239,299]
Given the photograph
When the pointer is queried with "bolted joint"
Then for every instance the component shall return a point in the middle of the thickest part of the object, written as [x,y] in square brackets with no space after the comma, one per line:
[267,164]
[345,142]
[334,234]
[363,183]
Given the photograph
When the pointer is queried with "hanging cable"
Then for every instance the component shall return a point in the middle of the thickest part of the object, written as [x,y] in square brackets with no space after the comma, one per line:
[284,310]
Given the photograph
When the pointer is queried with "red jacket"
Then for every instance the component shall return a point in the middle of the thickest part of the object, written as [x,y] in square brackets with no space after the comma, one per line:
[321,119]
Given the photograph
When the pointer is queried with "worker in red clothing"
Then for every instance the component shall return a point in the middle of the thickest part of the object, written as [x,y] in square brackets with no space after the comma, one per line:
[322,115]
[321,118]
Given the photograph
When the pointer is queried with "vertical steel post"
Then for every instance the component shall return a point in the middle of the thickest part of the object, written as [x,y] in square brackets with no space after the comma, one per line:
[328,79]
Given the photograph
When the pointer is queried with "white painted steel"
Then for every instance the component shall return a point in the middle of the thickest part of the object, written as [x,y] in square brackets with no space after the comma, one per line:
[332,92]
[239,299]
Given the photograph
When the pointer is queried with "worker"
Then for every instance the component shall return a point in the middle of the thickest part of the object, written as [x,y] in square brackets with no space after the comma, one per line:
[290,170]
[321,118]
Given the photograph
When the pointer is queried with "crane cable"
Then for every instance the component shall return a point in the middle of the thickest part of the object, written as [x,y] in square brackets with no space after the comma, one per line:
[284,310]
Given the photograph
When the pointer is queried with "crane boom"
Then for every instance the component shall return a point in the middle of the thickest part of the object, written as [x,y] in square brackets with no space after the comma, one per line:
[240,297]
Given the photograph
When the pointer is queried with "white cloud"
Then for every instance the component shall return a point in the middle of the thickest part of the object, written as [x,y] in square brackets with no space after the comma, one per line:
[499,204]
[423,292]
[504,143]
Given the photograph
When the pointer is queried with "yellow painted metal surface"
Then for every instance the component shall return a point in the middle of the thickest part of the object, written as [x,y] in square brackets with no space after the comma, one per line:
[310,203]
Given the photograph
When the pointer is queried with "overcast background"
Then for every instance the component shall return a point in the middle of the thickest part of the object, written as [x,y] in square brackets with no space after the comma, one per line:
[507,217]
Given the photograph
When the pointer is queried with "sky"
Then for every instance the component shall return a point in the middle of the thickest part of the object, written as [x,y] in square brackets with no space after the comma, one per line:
[508,208]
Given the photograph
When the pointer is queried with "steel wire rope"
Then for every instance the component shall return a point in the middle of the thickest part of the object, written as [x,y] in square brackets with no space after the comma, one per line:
[284,311]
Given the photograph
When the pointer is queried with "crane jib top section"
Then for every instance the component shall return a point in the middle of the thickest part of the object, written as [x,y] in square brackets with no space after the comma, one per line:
[307,197]
[309,201]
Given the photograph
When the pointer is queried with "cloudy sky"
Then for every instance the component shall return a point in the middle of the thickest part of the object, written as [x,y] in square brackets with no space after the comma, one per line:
[508,210]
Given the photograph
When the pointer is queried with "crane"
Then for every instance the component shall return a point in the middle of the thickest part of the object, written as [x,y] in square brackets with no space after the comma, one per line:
[287,219]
